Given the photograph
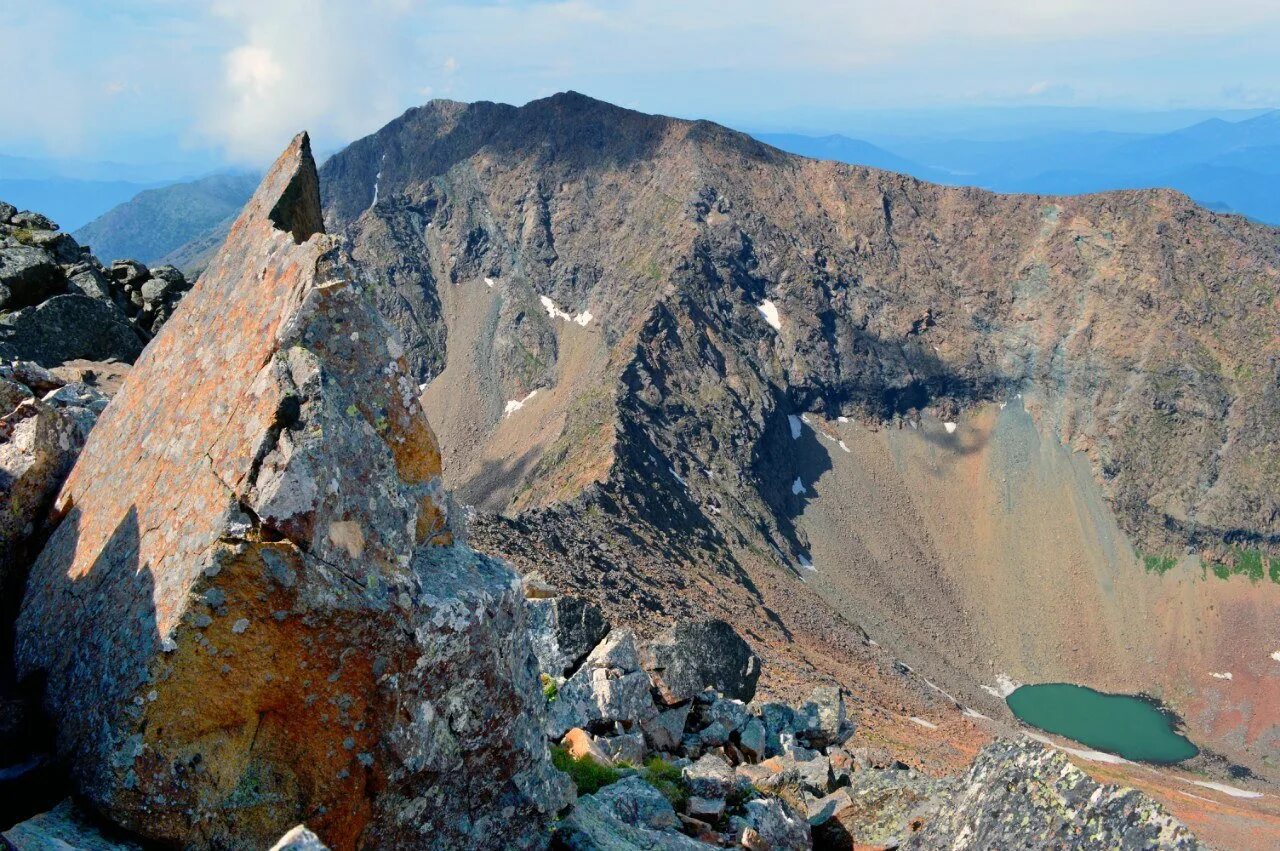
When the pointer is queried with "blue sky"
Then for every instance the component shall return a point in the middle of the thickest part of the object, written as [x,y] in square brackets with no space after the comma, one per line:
[232,80]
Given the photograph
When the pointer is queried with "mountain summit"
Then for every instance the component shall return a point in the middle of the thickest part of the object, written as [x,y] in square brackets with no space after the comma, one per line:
[1021,435]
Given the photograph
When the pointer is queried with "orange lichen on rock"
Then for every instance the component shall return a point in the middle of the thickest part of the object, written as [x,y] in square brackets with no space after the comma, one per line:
[257,517]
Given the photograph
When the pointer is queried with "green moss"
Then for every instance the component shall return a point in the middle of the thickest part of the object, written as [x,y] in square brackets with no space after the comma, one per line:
[667,779]
[1221,571]
[1248,563]
[1274,570]
[24,235]
[549,688]
[588,775]
[1158,564]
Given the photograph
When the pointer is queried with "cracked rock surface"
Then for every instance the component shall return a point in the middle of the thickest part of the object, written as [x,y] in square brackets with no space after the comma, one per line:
[294,637]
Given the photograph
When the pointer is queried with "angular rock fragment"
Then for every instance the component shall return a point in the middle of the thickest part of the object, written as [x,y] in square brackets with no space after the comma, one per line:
[258,515]
[65,828]
[698,655]
[623,819]
[563,630]
[768,824]
[608,688]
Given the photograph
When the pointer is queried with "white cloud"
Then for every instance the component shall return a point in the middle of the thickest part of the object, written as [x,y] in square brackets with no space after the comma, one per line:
[335,68]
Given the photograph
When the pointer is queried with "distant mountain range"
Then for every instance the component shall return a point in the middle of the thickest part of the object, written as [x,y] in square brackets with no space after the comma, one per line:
[157,222]
[1225,165]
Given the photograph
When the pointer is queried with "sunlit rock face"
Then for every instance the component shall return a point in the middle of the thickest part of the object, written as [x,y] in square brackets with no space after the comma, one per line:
[252,614]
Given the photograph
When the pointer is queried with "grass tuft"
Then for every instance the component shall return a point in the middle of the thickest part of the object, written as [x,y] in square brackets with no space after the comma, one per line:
[588,775]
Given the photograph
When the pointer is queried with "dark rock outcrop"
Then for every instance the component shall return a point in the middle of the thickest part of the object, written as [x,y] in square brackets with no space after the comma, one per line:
[58,303]
[259,513]
[694,656]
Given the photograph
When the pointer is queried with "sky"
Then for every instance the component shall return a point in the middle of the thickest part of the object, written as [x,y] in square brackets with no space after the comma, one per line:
[232,80]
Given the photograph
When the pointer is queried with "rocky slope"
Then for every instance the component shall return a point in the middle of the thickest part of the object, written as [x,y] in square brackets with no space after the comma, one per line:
[637,312]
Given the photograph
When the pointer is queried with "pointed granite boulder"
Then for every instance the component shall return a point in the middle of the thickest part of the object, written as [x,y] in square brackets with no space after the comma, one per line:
[251,614]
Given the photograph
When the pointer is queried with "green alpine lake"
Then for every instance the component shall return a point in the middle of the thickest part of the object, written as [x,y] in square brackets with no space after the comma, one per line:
[1132,727]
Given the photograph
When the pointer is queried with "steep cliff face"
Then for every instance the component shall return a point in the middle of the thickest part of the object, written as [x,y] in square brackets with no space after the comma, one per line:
[666,337]
[1147,323]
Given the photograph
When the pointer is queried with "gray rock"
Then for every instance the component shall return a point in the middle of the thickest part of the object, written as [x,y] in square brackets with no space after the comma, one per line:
[88,280]
[64,828]
[625,747]
[710,777]
[32,221]
[706,809]
[607,688]
[594,825]
[730,713]
[76,394]
[810,769]
[700,655]
[60,246]
[299,839]
[780,723]
[768,824]
[823,718]
[713,734]
[666,729]
[129,272]
[563,630]
[7,212]
[68,327]
[752,739]
[637,803]
[39,442]
[1024,795]
[29,275]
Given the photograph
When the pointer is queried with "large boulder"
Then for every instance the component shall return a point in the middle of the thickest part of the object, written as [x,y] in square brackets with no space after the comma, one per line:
[697,655]
[258,516]
[28,276]
[563,631]
[69,327]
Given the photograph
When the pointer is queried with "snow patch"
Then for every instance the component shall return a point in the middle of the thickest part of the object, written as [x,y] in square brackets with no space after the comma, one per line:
[514,405]
[1223,675]
[795,426]
[553,310]
[950,427]
[1225,789]
[377,179]
[941,691]
[489,282]
[972,713]
[806,563]
[842,419]
[928,725]
[1004,687]
[797,487]
[1276,655]
[769,311]
[677,476]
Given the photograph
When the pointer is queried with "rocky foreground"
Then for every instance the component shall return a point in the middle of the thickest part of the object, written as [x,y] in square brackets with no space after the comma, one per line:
[250,619]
